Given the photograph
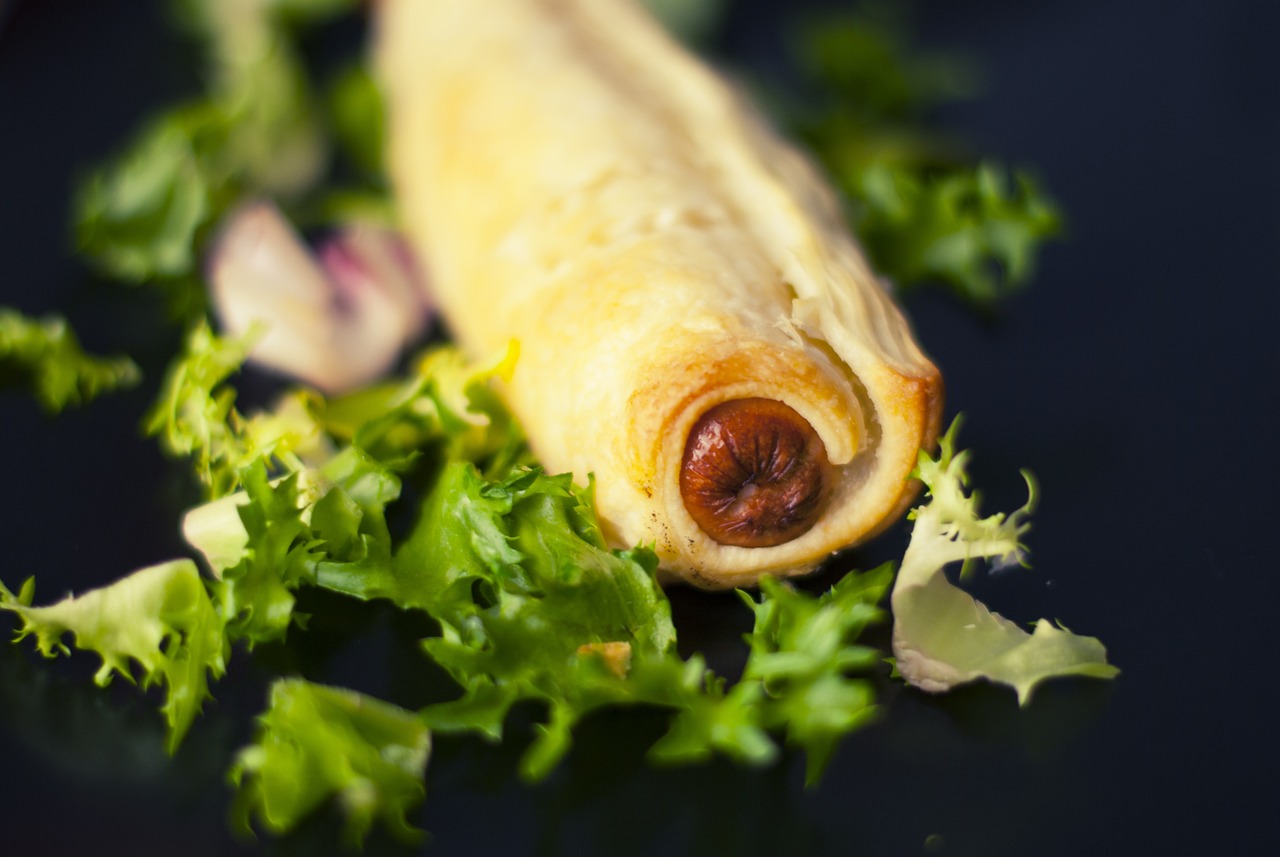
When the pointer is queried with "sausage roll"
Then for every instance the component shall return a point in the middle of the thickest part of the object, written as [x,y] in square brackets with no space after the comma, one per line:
[697,327]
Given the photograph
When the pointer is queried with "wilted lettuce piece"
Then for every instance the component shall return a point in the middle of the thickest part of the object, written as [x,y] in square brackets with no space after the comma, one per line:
[45,355]
[159,618]
[803,652]
[942,637]
[318,743]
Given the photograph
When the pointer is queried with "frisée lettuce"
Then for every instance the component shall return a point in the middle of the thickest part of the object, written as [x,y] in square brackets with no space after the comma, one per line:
[158,620]
[942,637]
[315,743]
[532,606]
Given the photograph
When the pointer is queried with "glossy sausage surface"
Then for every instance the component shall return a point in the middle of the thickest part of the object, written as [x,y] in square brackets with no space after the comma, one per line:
[755,473]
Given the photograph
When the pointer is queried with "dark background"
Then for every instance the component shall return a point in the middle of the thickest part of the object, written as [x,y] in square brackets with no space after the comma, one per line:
[1137,378]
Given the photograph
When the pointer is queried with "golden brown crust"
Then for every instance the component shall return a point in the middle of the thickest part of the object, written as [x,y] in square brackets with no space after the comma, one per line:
[579,183]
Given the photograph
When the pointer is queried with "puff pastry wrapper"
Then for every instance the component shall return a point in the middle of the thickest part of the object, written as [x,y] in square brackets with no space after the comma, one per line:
[575,181]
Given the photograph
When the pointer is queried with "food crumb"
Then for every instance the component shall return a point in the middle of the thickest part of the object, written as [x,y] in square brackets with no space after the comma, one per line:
[616,655]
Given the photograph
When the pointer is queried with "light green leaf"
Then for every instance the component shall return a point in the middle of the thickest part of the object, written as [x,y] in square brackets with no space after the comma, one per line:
[708,719]
[255,596]
[139,216]
[274,536]
[159,618]
[195,416]
[318,743]
[447,407]
[45,355]
[803,655]
[193,413]
[962,226]
[942,637]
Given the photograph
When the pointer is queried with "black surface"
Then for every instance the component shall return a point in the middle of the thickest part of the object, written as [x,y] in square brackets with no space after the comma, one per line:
[1137,378]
